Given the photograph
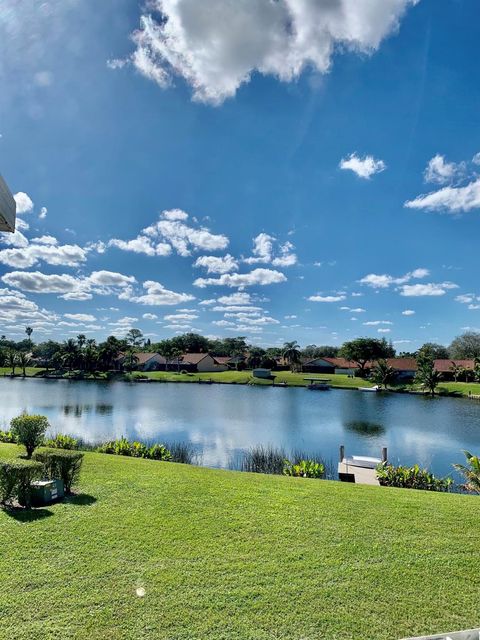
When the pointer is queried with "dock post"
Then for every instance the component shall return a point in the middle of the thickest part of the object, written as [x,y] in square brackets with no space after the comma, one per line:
[342,452]
[384,454]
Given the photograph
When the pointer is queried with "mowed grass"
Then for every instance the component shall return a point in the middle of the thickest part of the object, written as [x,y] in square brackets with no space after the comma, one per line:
[226,555]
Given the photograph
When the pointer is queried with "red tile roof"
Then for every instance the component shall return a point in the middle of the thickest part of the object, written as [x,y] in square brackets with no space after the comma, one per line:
[193,358]
[446,365]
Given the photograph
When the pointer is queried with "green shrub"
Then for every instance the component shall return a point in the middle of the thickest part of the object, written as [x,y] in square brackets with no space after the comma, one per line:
[29,430]
[304,469]
[7,437]
[411,478]
[16,477]
[62,464]
[159,452]
[122,447]
[138,450]
[61,441]
[106,447]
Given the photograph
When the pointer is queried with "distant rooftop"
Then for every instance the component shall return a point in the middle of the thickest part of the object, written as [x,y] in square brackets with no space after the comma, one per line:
[8,208]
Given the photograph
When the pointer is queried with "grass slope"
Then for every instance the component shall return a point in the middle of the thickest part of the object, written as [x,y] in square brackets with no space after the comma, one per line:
[225,555]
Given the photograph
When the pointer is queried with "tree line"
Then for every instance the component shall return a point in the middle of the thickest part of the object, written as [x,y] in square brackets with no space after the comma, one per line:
[88,355]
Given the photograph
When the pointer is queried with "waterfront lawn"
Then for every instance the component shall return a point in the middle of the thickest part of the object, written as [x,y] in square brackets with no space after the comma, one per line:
[227,555]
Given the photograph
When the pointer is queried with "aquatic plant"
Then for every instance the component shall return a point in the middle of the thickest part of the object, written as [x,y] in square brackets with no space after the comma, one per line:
[411,478]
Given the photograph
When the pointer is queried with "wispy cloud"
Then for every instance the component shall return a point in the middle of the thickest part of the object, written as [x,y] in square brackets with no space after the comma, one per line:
[364,167]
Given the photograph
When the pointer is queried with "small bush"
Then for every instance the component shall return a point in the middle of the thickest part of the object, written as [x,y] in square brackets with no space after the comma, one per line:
[61,441]
[411,478]
[16,477]
[304,469]
[29,430]
[61,464]
[138,450]
[7,437]
[159,452]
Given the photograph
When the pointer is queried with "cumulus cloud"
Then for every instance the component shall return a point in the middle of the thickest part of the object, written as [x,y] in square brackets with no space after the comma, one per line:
[383,281]
[15,307]
[267,249]
[180,317]
[319,298]
[149,316]
[215,264]
[172,232]
[156,295]
[67,286]
[255,277]
[440,171]
[408,312]
[24,202]
[364,167]
[217,45]
[43,250]
[428,289]
[449,199]
[80,317]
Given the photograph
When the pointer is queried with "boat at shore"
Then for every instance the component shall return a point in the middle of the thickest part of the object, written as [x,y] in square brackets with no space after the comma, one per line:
[374,389]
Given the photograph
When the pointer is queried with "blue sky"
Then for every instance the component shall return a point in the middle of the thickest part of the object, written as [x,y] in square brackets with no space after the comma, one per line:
[275,170]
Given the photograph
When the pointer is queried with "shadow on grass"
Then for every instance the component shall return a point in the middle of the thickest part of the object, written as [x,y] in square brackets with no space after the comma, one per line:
[27,515]
[80,499]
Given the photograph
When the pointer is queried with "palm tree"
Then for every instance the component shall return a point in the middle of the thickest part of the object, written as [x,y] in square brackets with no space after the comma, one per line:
[456,370]
[291,353]
[471,472]
[108,353]
[428,376]
[12,360]
[24,361]
[70,353]
[29,331]
[383,374]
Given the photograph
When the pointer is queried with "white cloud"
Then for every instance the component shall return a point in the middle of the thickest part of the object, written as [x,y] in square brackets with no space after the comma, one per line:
[142,244]
[175,214]
[149,316]
[37,282]
[43,213]
[408,312]
[383,281]
[375,323]
[255,277]
[429,289]
[15,307]
[24,202]
[319,298]
[215,264]
[157,295]
[440,171]
[216,45]
[80,317]
[46,250]
[237,298]
[364,167]
[266,249]
[476,158]
[383,330]
[180,317]
[449,199]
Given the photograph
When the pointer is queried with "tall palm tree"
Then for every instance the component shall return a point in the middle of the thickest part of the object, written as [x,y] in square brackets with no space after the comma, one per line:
[12,360]
[70,353]
[24,361]
[456,370]
[130,360]
[291,353]
[29,331]
[471,472]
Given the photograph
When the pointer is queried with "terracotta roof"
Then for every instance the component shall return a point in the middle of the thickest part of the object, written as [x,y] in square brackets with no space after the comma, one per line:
[402,364]
[142,357]
[193,358]
[340,363]
[446,365]
[223,359]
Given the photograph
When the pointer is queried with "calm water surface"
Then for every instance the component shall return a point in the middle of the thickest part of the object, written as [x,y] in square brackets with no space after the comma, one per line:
[223,419]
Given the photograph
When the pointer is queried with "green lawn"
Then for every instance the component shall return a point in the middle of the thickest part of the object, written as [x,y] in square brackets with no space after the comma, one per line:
[292,379]
[226,555]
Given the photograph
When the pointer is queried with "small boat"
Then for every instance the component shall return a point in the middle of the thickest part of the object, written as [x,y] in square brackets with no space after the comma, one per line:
[374,389]
[200,381]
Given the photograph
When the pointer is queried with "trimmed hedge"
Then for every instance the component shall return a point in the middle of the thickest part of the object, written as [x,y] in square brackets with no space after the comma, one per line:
[16,477]
[62,464]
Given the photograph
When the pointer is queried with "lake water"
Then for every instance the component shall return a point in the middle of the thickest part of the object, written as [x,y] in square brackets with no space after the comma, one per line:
[223,419]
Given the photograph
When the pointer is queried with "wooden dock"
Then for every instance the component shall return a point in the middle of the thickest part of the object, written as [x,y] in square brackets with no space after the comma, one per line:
[359,469]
